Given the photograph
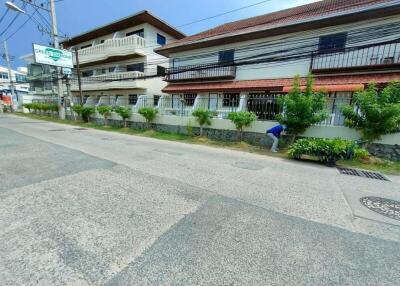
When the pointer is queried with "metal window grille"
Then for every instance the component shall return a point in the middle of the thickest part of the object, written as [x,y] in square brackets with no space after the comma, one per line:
[189,98]
[133,99]
[231,100]
[156,100]
[264,105]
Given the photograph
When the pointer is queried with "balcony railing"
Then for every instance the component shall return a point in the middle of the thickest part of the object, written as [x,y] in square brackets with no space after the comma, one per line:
[198,72]
[367,57]
[118,80]
[113,47]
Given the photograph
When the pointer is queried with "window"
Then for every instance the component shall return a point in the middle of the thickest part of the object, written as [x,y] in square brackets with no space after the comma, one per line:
[161,40]
[135,67]
[20,78]
[86,46]
[133,99]
[160,71]
[156,100]
[102,41]
[231,100]
[3,75]
[189,98]
[139,33]
[87,73]
[332,43]
[226,57]
[111,69]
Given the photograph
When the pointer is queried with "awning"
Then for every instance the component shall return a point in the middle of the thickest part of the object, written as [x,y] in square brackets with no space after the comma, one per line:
[330,88]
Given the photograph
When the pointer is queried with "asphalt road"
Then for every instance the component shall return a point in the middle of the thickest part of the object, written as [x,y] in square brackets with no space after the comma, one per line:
[87,207]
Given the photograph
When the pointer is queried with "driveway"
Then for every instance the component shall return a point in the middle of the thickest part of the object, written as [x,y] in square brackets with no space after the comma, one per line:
[88,207]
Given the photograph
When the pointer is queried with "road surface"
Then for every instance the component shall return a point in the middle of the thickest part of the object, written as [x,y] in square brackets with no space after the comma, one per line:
[88,207]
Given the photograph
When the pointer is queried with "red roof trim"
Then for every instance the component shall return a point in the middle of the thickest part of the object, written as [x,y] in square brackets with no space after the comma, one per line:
[341,82]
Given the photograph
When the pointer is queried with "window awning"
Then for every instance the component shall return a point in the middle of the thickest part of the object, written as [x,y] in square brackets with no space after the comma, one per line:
[330,88]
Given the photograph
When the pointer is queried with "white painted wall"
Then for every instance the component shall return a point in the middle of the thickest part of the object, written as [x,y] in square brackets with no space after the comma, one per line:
[288,42]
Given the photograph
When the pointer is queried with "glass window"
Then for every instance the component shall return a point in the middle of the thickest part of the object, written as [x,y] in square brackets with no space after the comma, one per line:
[111,69]
[20,78]
[135,67]
[139,33]
[161,40]
[332,43]
[189,98]
[133,99]
[156,100]
[226,57]
[87,73]
[3,75]
[160,71]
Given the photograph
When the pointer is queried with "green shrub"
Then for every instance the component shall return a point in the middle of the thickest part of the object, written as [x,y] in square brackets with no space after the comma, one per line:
[105,111]
[87,111]
[149,113]
[77,108]
[125,113]
[378,112]
[361,153]
[301,109]
[28,106]
[242,119]
[203,117]
[327,150]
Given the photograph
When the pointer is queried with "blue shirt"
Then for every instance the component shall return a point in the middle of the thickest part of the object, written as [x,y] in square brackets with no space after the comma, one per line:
[276,130]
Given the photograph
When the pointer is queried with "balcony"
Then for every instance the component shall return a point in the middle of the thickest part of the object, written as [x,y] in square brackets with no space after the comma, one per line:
[372,57]
[200,72]
[120,80]
[118,47]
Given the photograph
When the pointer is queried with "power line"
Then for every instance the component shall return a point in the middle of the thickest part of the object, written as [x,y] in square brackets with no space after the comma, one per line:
[4,15]
[222,14]
[23,24]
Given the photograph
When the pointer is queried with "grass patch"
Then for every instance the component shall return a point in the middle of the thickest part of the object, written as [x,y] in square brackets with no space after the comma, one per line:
[374,164]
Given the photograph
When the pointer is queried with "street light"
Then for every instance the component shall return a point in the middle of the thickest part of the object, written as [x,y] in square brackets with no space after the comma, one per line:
[13,7]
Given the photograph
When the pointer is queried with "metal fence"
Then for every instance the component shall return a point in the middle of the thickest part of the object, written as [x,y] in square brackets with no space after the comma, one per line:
[264,105]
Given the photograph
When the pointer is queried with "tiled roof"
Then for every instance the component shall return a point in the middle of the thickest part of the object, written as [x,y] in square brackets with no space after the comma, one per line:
[341,82]
[290,16]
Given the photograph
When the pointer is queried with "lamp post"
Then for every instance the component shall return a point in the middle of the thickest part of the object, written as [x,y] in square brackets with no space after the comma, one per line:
[54,34]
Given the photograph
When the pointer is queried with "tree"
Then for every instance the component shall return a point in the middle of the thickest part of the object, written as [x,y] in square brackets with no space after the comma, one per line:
[77,109]
[105,111]
[375,113]
[149,113]
[124,112]
[203,117]
[242,119]
[28,106]
[302,109]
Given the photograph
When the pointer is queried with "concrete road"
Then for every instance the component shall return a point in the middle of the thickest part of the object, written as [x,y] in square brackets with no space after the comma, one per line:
[87,207]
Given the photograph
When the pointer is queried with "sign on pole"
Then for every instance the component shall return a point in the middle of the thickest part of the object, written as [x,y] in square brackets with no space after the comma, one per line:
[51,56]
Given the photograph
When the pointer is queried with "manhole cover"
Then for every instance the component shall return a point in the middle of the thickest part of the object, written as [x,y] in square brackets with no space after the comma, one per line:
[386,207]
[361,173]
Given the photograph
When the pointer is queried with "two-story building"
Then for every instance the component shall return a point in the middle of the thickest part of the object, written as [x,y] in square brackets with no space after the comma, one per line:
[21,86]
[248,64]
[117,62]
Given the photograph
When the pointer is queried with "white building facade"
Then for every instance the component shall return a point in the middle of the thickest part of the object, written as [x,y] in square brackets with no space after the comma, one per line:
[21,87]
[246,65]
[117,62]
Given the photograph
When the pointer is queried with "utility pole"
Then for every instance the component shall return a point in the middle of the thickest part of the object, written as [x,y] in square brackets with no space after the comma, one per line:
[57,46]
[10,75]
[78,71]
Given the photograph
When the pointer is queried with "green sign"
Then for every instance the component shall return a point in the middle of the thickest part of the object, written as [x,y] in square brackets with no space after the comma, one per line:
[52,56]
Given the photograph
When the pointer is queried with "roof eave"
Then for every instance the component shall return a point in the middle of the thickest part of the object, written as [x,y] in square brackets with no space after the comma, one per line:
[346,17]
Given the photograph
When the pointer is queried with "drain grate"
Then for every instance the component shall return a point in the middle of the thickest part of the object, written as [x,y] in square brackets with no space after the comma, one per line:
[80,128]
[385,207]
[361,173]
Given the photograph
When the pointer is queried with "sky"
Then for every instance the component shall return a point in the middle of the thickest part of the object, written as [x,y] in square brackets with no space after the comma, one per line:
[77,16]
